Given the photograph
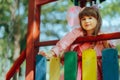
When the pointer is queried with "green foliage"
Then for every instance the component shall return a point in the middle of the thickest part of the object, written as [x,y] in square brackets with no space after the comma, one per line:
[54,19]
[111,8]
[118,48]
[14,24]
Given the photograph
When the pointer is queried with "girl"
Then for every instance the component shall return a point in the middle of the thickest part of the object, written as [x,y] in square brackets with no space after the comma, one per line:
[90,24]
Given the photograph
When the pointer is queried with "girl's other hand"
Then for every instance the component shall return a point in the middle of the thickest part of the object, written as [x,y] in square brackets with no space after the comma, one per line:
[44,54]
[49,55]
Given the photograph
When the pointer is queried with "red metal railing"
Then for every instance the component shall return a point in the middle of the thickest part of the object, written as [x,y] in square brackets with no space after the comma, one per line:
[109,36]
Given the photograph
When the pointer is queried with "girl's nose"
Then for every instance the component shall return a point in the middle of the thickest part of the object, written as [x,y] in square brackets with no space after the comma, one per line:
[87,20]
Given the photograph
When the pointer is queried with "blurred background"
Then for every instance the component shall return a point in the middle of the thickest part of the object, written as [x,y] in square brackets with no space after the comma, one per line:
[14,21]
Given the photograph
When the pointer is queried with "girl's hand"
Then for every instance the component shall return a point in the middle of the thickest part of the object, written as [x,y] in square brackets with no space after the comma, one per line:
[105,42]
[52,54]
[44,54]
[49,55]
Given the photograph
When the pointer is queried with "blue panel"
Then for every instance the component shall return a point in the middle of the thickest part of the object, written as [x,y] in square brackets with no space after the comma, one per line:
[110,66]
[40,68]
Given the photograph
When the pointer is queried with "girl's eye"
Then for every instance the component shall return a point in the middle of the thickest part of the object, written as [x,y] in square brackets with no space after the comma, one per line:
[83,19]
[90,17]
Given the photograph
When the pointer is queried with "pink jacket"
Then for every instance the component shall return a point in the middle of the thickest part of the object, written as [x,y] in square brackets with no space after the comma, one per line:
[68,39]
[65,44]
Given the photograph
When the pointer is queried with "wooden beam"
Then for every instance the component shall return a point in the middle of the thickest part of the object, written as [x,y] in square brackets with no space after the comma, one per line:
[46,43]
[16,65]
[109,36]
[33,31]
[101,37]
[42,2]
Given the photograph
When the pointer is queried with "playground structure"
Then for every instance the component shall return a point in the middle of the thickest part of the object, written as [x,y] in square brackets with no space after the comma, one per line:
[33,44]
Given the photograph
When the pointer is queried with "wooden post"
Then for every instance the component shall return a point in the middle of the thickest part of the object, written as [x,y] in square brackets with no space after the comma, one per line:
[32,37]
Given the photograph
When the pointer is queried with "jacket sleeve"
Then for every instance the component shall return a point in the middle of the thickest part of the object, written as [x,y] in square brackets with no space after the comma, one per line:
[67,40]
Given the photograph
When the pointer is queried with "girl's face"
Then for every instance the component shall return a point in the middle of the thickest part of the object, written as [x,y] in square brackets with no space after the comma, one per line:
[88,23]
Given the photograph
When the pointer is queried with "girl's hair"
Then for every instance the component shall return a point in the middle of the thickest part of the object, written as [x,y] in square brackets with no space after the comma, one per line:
[91,11]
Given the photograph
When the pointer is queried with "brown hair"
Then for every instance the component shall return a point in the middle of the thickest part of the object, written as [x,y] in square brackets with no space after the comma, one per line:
[91,11]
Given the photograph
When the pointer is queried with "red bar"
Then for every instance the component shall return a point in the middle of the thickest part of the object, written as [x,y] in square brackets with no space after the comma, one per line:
[101,37]
[109,36]
[46,43]
[16,65]
[42,2]
[33,32]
